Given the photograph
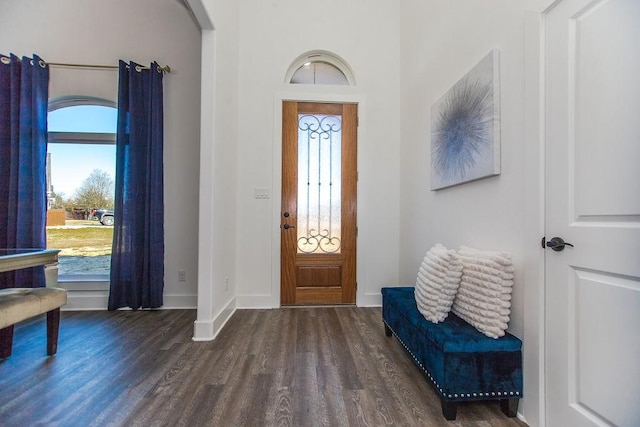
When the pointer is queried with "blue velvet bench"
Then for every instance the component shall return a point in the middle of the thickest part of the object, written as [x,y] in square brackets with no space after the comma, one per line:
[459,361]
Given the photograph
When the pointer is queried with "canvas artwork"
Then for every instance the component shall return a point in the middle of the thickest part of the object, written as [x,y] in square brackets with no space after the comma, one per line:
[465,127]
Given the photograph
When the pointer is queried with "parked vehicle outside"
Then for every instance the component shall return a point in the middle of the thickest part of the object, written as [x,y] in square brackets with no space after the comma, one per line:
[105,216]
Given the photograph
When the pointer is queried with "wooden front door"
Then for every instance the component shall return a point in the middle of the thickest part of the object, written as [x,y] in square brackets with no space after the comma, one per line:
[318,216]
[592,135]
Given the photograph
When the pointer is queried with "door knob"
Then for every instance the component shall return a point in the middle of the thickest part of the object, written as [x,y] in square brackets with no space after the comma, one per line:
[556,243]
[287,226]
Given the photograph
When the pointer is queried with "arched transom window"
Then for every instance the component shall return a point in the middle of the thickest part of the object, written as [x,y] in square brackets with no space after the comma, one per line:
[320,68]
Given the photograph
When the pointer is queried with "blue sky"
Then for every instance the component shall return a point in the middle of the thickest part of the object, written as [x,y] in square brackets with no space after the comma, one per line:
[71,164]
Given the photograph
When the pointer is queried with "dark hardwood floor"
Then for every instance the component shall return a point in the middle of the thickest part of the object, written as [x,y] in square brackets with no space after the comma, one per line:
[285,367]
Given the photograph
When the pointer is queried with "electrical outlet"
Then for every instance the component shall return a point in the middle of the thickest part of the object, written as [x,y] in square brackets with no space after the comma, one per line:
[182,275]
[226,283]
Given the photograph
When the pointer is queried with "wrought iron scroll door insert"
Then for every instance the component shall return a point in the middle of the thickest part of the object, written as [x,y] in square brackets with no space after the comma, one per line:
[319,172]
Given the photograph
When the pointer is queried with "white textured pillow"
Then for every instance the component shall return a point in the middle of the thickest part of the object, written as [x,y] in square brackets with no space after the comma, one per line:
[437,283]
[484,295]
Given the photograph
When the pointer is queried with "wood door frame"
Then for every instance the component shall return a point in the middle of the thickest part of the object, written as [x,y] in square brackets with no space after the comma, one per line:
[346,95]
[292,293]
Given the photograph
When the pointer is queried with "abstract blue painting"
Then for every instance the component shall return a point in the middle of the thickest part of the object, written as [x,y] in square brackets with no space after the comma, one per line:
[465,127]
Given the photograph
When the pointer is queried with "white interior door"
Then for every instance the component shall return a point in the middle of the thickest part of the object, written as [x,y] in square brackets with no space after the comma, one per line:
[592,140]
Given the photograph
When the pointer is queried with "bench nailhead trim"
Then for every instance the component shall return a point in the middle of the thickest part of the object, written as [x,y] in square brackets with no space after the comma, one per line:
[455,395]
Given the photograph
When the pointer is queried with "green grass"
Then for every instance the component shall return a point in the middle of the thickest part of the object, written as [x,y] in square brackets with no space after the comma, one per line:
[81,241]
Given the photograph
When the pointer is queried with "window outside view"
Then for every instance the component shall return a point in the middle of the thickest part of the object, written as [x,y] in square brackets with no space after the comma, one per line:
[81,157]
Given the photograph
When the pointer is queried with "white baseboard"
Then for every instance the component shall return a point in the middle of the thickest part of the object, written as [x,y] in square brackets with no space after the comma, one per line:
[185,301]
[371,300]
[207,330]
[266,301]
[78,300]
[255,301]
[86,301]
[203,330]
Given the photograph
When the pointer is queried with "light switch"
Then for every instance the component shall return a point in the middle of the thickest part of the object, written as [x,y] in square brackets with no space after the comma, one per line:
[261,193]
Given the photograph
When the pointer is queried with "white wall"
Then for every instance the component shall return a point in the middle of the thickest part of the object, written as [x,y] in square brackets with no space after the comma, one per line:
[273,34]
[441,41]
[101,32]
[218,164]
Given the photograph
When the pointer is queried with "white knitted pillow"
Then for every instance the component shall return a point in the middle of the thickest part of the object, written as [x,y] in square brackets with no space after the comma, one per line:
[437,283]
[484,295]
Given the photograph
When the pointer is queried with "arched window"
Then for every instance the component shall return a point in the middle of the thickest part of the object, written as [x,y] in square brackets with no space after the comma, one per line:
[320,68]
[81,157]
[89,119]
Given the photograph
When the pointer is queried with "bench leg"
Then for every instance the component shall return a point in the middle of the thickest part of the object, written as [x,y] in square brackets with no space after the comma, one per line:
[387,330]
[509,407]
[53,326]
[6,341]
[449,409]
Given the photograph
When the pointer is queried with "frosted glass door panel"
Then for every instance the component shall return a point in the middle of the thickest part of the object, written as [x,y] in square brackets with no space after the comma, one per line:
[319,178]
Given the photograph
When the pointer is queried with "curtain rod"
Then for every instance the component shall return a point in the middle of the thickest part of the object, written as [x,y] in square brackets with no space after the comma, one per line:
[165,69]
